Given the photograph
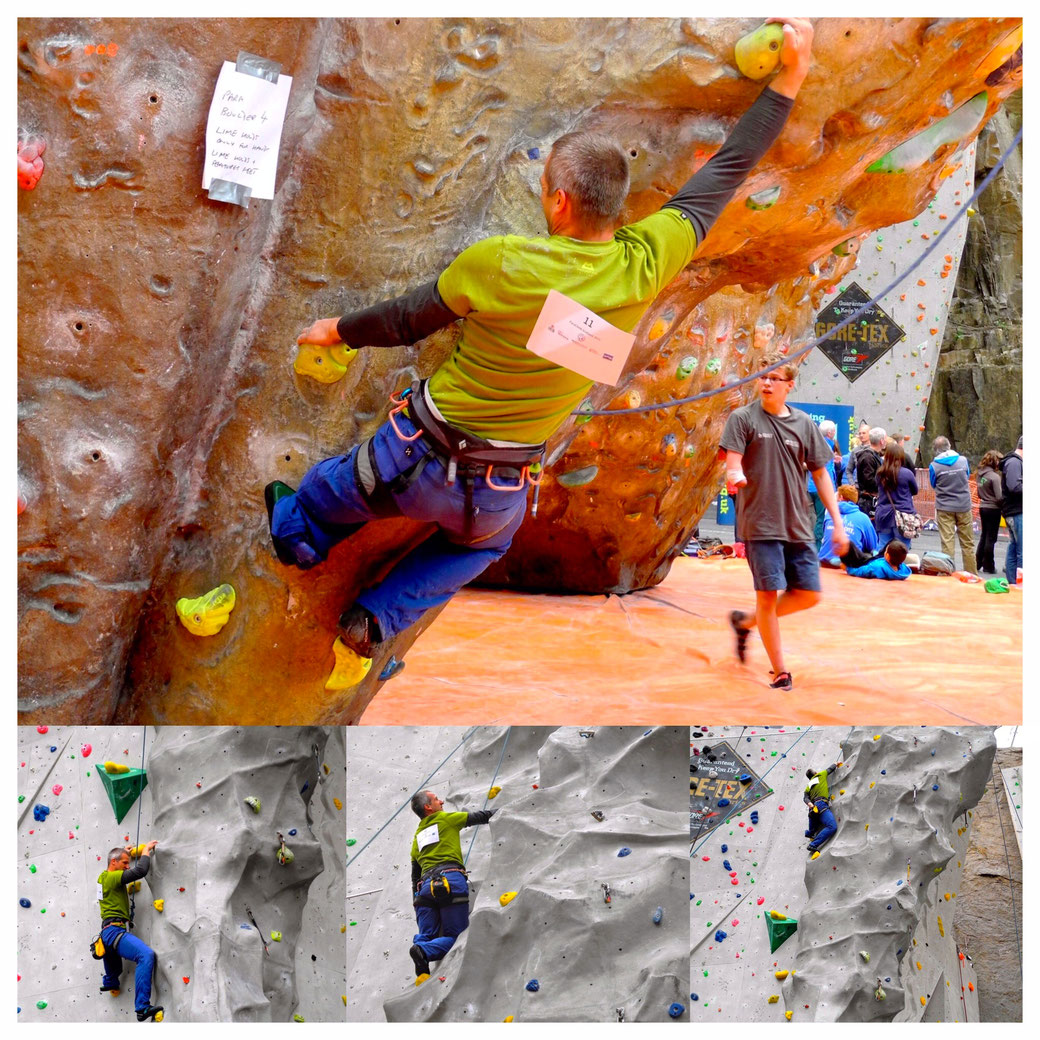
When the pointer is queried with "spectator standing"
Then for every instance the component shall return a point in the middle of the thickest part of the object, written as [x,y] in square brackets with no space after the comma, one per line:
[948,474]
[1011,471]
[867,461]
[830,435]
[991,496]
[897,486]
[850,460]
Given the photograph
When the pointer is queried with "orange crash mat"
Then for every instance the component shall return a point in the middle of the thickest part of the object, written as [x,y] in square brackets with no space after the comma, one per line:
[928,650]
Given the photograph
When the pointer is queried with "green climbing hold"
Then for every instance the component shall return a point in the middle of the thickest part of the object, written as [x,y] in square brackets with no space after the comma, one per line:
[585,406]
[123,789]
[41,1004]
[919,149]
[21,798]
[351,841]
[713,367]
[253,803]
[764,199]
[578,477]
[32,868]
[298,1018]
[779,931]
[686,367]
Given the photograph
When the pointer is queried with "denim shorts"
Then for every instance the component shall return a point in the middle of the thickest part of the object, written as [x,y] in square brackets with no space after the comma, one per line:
[783,565]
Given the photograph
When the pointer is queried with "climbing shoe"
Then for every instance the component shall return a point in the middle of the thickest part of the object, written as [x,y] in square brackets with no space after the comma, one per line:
[350,667]
[359,630]
[736,617]
[782,682]
[152,1011]
[422,965]
[274,493]
[114,990]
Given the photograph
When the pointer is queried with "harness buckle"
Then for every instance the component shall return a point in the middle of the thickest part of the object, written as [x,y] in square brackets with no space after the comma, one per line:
[400,404]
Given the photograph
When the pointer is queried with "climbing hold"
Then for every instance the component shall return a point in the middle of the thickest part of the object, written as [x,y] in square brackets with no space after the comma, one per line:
[276,936]
[23,902]
[624,851]
[41,1004]
[763,199]
[159,904]
[788,1014]
[298,1017]
[686,367]
[676,1009]
[40,813]
[350,841]
[207,614]
[865,956]
[292,834]
[781,975]
[115,767]
[32,868]
[773,999]
[350,667]
[920,148]
[285,855]
[85,750]
[760,900]
[713,367]
[658,915]
[493,792]
[585,406]
[597,815]
[725,848]
[325,364]
[506,897]
[337,803]
[726,866]
[30,163]
[935,787]
[578,477]
[421,979]
[532,986]
[723,801]
[758,53]
[880,994]
[253,803]
[393,667]
[719,935]
[42,729]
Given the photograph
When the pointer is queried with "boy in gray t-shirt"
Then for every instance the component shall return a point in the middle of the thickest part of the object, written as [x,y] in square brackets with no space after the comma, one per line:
[768,448]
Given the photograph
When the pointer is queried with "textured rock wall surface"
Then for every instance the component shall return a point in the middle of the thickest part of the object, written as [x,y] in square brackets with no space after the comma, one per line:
[215,857]
[991,897]
[157,327]
[589,957]
[886,885]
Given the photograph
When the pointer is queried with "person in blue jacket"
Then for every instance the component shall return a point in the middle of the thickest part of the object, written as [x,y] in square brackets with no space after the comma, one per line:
[857,526]
[891,567]
[830,435]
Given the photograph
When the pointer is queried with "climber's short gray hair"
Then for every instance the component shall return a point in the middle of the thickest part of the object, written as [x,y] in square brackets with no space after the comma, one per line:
[419,802]
[115,853]
[878,437]
[593,170]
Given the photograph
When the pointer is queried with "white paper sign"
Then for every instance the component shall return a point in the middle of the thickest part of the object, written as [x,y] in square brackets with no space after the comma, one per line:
[427,836]
[100,892]
[244,130]
[574,337]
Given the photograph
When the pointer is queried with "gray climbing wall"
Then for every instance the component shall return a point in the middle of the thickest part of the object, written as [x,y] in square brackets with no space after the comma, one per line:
[894,392]
[885,886]
[215,856]
[590,957]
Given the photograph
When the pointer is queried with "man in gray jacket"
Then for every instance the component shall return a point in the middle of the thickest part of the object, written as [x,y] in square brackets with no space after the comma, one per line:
[948,474]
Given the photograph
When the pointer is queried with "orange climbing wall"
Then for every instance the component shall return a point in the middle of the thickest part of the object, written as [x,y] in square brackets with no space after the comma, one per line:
[929,650]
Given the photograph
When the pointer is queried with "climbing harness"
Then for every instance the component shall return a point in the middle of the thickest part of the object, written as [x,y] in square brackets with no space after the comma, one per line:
[441,892]
[854,316]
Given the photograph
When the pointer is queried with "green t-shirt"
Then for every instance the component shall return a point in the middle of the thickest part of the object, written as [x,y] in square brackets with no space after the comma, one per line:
[442,844]
[112,898]
[492,385]
[819,787]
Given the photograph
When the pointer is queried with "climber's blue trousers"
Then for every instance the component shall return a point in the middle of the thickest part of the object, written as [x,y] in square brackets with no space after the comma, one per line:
[440,926]
[823,823]
[328,506]
[132,949]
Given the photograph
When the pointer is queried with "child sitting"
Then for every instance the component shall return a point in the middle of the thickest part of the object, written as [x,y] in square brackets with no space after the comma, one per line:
[891,566]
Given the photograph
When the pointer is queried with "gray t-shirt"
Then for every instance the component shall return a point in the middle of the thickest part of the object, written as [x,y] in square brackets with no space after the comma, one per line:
[774,505]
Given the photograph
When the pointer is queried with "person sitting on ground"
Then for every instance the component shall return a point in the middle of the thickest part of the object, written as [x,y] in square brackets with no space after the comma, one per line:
[440,890]
[896,487]
[120,945]
[817,796]
[460,450]
[858,528]
[891,566]
[991,496]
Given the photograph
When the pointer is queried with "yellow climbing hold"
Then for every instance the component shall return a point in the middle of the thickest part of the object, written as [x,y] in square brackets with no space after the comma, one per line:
[421,979]
[758,53]
[866,826]
[337,803]
[208,614]
[878,736]
[657,331]
[134,886]
[506,897]
[815,855]
[494,791]
[158,904]
[788,1014]
[116,767]
[942,931]
[923,1002]
[344,999]
[508,1018]
[773,999]
[158,1016]
[872,782]
[350,667]
[781,975]
[137,850]
[777,916]
[325,364]
[919,968]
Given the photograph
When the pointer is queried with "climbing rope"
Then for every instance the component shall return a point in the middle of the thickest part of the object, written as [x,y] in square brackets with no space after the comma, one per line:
[469,733]
[1011,884]
[137,843]
[487,797]
[831,332]
[738,810]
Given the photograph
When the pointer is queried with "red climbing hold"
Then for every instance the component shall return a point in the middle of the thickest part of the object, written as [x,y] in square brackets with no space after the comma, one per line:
[57,789]
[186,979]
[30,163]
[41,729]
[535,786]
[85,750]
[761,900]
[21,505]
[781,808]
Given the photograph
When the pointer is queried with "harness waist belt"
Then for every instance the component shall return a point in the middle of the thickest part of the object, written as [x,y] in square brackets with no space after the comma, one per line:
[114,920]
[441,868]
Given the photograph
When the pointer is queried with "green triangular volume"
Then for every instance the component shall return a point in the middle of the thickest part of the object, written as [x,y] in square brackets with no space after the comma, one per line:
[123,789]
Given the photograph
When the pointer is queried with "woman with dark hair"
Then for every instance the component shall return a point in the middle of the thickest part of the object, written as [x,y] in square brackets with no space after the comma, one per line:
[991,495]
[896,489]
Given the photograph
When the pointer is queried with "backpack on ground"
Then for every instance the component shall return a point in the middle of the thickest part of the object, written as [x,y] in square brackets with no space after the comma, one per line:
[933,562]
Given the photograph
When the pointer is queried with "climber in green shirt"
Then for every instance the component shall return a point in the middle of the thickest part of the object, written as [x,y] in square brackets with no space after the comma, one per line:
[460,450]
[116,924]
[817,796]
[440,889]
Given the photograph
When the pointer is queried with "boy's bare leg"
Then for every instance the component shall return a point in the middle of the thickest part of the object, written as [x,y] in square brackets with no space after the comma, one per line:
[770,606]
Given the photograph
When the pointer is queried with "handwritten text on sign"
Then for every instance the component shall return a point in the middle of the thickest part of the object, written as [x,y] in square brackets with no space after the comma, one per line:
[244,130]
[574,337]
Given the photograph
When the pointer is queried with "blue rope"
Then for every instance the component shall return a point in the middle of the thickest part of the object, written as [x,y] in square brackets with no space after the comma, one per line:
[487,797]
[465,737]
[819,339]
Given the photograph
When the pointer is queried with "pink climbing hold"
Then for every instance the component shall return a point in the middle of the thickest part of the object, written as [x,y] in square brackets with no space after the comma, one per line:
[41,729]
[57,789]
[705,858]
[781,808]
[761,900]
[749,830]
[30,163]
[85,750]
[734,922]
[735,881]
[71,836]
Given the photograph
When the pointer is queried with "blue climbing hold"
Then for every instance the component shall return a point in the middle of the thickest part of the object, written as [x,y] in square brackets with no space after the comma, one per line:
[658,915]
[245,927]
[754,816]
[305,786]
[292,833]
[40,813]
[533,153]
[624,851]
[693,996]
[676,1010]
[725,865]
[393,667]
[884,772]
[720,935]
[933,754]
[691,895]
[745,778]
[723,801]
[935,787]
[898,883]
[532,986]
[725,848]
[24,902]
[54,747]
